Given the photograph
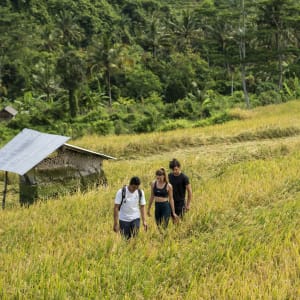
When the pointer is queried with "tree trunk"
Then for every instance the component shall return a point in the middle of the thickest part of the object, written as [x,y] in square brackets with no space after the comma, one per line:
[72,103]
[232,87]
[243,55]
[109,88]
[245,86]
[280,73]
[280,61]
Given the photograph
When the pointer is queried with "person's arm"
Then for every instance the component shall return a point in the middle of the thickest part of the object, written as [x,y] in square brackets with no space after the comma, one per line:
[116,217]
[143,215]
[150,200]
[190,195]
[171,201]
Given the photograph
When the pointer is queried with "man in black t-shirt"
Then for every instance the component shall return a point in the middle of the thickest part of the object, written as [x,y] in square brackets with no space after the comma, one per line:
[181,184]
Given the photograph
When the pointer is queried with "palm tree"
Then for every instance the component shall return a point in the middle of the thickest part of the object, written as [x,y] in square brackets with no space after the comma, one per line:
[105,58]
[155,36]
[279,20]
[185,30]
[68,31]
[72,69]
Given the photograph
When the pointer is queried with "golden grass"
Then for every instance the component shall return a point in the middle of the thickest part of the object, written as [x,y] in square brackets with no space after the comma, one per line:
[260,123]
[241,239]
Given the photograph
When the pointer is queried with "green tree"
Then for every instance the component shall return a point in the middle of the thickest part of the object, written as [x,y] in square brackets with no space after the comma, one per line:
[155,37]
[67,29]
[72,69]
[19,40]
[278,22]
[185,30]
[185,73]
[242,49]
[141,84]
[104,58]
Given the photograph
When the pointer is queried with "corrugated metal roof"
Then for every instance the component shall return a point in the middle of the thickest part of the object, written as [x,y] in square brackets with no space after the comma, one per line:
[27,149]
[82,150]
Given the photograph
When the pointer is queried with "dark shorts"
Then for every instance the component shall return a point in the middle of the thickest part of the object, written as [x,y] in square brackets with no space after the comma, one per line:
[179,208]
[129,229]
[162,213]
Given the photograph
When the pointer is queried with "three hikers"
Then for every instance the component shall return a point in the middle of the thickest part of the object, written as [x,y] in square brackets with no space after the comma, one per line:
[168,193]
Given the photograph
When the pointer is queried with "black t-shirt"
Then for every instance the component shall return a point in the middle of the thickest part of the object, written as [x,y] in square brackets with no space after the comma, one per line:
[179,184]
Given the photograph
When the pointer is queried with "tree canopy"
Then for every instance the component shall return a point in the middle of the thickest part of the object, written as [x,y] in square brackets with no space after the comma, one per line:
[81,57]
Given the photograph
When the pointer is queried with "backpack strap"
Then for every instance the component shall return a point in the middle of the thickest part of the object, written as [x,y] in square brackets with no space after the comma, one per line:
[123,195]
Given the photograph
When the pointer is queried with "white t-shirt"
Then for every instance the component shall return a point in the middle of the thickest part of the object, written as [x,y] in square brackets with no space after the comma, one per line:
[130,208]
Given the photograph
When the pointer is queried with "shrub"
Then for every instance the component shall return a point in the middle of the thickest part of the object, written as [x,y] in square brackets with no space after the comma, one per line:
[174,124]
[22,120]
[175,90]
[292,88]
[121,127]
[269,97]
[142,83]
[6,134]
[265,86]
[236,97]
[103,127]
[184,109]
[212,103]
[217,118]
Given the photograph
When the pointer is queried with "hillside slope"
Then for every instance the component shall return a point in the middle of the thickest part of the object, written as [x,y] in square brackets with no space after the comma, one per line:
[241,239]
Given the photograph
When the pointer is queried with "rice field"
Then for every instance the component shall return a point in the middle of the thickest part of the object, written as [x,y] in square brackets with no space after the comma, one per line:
[241,239]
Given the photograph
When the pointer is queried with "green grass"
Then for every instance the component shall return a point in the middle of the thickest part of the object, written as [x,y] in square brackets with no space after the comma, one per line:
[241,239]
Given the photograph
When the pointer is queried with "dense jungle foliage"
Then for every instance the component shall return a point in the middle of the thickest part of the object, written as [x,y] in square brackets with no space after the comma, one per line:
[130,66]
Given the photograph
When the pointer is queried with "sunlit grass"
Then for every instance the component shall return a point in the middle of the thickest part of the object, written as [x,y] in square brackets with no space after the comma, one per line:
[241,239]
[259,123]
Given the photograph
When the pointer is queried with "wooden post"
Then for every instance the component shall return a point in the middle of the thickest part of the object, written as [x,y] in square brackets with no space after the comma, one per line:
[5,189]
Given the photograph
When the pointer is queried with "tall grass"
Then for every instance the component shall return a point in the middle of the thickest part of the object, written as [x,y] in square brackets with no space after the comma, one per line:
[260,123]
[241,239]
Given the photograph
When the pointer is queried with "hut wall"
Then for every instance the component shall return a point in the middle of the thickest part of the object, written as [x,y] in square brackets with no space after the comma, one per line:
[64,171]
[28,188]
[5,116]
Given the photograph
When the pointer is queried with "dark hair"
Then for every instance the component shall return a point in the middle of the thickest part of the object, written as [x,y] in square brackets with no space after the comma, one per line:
[162,171]
[135,181]
[174,163]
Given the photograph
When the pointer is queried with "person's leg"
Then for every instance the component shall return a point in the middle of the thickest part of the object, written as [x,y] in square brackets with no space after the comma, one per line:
[166,213]
[125,229]
[162,213]
[179,209]
[158,213]
[134,227]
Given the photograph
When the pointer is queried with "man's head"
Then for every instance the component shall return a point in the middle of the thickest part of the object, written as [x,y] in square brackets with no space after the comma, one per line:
[134,183]
[174,165]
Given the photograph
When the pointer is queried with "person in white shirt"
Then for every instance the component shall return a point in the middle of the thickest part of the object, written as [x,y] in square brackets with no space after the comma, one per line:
[129,208]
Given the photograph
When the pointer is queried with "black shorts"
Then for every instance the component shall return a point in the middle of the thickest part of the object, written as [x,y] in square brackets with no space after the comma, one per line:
[129,229]
[179,208]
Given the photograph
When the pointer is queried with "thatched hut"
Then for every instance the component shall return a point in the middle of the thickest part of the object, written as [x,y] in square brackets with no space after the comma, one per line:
[48,166]
[7,113]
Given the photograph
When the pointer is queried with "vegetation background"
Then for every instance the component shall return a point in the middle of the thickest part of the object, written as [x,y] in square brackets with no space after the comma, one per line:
[120,67]
[241,239]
